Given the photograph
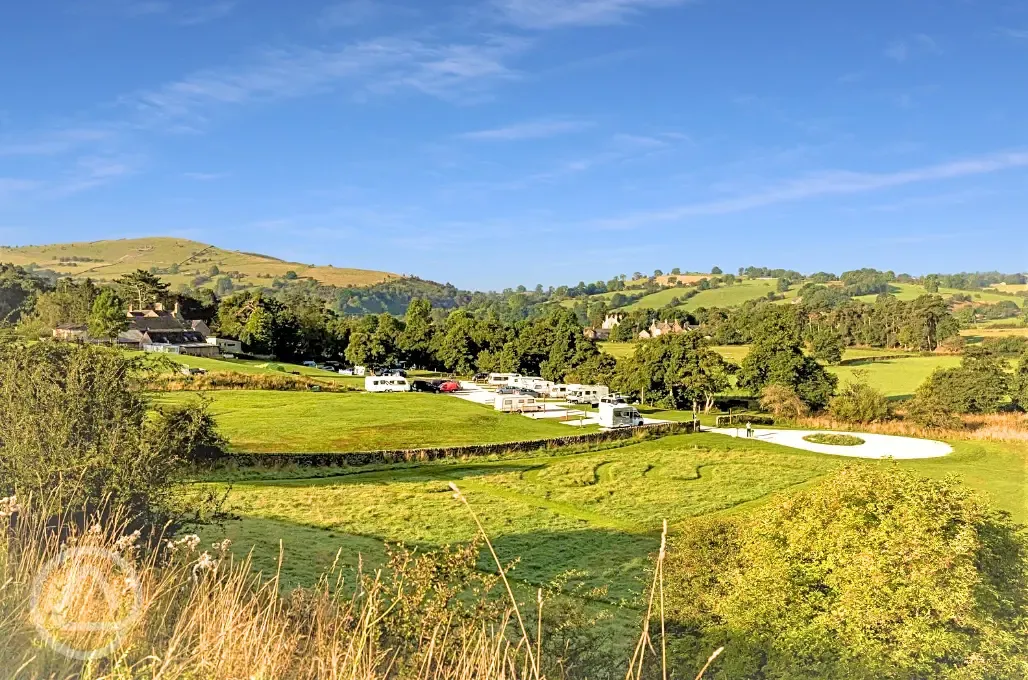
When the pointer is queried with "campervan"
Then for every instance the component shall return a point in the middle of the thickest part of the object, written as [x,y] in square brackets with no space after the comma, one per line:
[587,394]
[501,379]
[619,415]
[513,403]
[558,391]
[386,383]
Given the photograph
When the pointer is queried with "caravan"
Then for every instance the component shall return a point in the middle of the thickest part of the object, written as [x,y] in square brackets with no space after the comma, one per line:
[558,391]
[386,383]
[587,394]
[502,379]
[513,403]
[619,415]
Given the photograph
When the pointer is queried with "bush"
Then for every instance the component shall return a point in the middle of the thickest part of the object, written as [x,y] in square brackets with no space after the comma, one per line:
[231,380]
[979,385]
[193,432]
[833,439]
[873,574]
[860,403]
[74,428]
[783,402]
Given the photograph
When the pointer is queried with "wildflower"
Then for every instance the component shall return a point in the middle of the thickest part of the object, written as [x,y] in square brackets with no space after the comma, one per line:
[223,546]
[9,506]
[126,542]
[205,563]
[94,530]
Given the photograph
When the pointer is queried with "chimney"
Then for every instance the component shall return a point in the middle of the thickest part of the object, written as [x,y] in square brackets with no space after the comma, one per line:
[158,307]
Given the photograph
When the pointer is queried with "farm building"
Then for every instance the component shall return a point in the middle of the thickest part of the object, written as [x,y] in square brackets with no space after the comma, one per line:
[226,345]
[658,329]
[603,332]
[72,333]
[189,343]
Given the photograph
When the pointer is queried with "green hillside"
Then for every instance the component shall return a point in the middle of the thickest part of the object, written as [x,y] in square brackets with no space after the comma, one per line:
[180,261]
[725,296]
[910,291]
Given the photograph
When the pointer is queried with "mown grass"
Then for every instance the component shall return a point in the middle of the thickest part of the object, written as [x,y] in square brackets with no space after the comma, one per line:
[598,513]
[299,422]
[834,439]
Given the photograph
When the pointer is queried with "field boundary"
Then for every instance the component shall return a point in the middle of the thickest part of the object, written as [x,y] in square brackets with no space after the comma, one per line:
[386,457]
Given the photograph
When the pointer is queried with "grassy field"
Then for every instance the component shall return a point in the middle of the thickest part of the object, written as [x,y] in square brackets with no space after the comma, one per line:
[909,291]
[253,366]
[598,513]
[895,377]
[296,422]
[985,332]
[116,258]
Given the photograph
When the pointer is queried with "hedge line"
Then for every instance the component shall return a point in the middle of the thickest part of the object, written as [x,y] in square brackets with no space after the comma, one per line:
[883,357]
[359,458]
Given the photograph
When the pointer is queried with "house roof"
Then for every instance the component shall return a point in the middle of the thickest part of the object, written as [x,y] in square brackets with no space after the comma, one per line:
[172,337]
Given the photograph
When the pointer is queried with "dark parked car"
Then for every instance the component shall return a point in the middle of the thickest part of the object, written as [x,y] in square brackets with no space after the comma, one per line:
[423,386]
[391,371]
[450,386]
[481,377]
[525,392]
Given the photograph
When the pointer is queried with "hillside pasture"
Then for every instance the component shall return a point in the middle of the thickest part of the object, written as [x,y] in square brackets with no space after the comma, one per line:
[725,296]
[910,291]
[112,259]
[311,422]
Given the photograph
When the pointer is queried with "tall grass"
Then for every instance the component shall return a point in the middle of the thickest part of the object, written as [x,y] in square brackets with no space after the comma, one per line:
[1008,427]
[233,380]
[192,612]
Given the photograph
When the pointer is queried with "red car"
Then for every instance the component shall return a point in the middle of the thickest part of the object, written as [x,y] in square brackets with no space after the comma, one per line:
[450,386]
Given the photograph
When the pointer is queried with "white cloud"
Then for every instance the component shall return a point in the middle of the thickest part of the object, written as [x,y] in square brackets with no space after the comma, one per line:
[915,46]
[535,129]
[548,14]
[1015,33]
[832,183]
[384,65]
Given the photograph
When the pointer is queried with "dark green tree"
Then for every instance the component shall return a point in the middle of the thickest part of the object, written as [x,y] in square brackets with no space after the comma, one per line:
[677,371]
[142,288]
[825,344]
[777,358]
[1019,383]
[415,342]
[107,319]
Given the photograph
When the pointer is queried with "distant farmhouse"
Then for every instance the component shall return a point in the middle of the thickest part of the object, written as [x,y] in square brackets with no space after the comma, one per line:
[603,332]
[158,330]
[660,328]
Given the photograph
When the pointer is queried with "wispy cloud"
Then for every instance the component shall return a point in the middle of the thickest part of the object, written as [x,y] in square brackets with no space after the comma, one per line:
[832,183]
[350,13]
[205,176]
[1015,33]
[10,186]
[53,142]
[914,46]
[89,173]
[534,129]
[381,66]
[206,13]
[549,14]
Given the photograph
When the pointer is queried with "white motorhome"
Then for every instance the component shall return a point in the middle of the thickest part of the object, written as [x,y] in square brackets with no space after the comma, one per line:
[386,383]
[531,383]
[619,415]
[501,379]
[513,403]
[558,391]
[587,394]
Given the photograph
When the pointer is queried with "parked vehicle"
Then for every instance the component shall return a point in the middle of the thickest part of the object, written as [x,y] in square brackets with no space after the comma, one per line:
[450,386]
[423,386]
[501,379]
[507,390]
[518,404]
[526,392]
[481,377]
[619,415]
[386,383]
[588,394]
[310,364]
[391,371]
[560,391]
[186,370]
[614,398]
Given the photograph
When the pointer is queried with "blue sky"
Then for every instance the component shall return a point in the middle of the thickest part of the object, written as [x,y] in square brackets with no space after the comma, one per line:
[497,142]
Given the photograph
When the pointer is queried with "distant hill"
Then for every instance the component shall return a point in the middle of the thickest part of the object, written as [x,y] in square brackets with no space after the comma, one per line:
[179,261]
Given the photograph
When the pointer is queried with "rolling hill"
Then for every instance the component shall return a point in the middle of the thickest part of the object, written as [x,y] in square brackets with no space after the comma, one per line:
[179,261]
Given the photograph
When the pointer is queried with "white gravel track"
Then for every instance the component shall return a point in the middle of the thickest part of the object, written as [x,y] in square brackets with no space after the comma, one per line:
[874,446]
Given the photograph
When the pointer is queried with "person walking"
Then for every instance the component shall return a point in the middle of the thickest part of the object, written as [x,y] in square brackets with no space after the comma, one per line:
[749,430]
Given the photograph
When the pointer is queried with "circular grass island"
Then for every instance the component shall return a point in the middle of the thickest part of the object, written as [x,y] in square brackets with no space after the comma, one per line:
[834,439]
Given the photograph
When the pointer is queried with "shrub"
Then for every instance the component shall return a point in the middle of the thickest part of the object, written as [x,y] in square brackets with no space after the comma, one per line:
[193,432]
[74,427]
[873,574]
[979,385]
[858,402]
[783,402]
[231,380]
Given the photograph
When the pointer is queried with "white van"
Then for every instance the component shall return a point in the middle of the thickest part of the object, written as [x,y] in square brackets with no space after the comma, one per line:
[587,394]
[559,391]
[619,415]
[513,403]
[386,383]
[502,379]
